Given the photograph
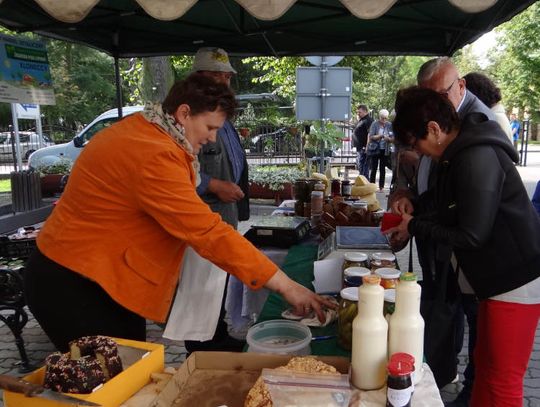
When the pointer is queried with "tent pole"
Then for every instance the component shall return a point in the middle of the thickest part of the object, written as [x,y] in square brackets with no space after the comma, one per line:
[117,78]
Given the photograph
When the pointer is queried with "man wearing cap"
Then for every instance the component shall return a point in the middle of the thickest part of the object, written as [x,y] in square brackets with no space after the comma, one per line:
[224,182]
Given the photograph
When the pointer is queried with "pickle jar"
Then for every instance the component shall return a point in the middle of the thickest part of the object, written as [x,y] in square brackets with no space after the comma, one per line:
[389,277]
[354,259]
[352,276]
[348,308]
[389,302]
[382,259]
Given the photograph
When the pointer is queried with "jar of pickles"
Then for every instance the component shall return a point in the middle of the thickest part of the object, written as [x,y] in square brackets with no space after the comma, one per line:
[382,259]
[352,276]
[348,308]
[354,259]
[389,302]
[389,276]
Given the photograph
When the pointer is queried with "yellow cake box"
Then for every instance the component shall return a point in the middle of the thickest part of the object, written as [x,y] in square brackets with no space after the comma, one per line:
[111,394]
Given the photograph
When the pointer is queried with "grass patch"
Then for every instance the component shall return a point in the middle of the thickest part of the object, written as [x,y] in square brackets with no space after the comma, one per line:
[5,185]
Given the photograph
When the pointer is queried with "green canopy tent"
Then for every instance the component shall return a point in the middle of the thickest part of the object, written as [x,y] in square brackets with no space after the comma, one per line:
[128,28]
[141,28]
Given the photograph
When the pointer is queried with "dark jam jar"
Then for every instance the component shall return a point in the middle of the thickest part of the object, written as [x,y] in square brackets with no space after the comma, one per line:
[335,187]
[346,188]
[399,383]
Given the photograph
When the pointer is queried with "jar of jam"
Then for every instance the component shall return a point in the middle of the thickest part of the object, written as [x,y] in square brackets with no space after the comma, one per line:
[382,259]
[346,188]
[389,302]
[335,188]
[408,359]
[352,276]
[354,259]
[389,276]
[301,190]
[348,308]
[399,383]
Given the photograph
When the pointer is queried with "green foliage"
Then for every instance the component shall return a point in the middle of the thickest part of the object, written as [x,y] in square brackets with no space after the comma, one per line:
[5,185]
[273,177]
[326,133]
[61,167]
[516,62]
[246,119]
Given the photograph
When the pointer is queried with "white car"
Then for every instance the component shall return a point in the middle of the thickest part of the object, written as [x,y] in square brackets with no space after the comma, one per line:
[72,149]
[29,141]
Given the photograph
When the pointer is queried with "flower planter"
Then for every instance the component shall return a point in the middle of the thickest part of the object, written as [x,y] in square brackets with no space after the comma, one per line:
[51,184]
[257,191]
[244,132]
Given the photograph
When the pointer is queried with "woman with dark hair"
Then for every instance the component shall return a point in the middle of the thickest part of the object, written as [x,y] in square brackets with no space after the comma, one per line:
[483,212]
[486,90]
[109,256]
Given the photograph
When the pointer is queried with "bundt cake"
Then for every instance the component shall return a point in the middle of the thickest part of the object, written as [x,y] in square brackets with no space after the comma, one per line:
[91,361]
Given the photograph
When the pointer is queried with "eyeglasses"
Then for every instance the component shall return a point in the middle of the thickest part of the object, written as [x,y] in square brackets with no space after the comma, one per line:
[448,89]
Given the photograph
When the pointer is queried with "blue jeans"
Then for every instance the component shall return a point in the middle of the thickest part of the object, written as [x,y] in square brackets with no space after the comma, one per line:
[362,163]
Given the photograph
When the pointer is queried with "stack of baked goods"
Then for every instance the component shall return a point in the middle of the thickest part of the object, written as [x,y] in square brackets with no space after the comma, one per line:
[91,361]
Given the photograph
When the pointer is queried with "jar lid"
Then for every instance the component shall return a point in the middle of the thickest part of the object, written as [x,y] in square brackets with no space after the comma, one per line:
[399,368]
[408,277]
[319,186]
[360,204]
[371,280]
[317,193]
[355,256]
[356,272]
[390,295]
[349,293]
[383,256]
[404,357]
[388,272]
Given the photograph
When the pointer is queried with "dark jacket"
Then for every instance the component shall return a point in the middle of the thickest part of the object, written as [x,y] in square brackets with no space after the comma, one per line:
[483,211]
[215,162]
[360,132]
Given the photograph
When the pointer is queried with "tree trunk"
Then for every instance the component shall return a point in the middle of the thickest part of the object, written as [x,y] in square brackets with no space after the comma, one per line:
[158,77]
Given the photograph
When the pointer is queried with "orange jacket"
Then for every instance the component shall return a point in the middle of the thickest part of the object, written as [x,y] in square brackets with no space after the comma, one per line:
[127,214]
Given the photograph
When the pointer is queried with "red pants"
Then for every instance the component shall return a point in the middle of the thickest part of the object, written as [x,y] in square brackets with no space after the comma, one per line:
[503,347]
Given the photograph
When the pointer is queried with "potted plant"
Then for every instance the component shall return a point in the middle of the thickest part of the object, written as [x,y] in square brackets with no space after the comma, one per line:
[54,176]
[324,136]
[245,121]
[272,182]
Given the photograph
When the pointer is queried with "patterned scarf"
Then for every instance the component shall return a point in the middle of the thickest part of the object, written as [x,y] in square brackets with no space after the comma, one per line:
[155,114]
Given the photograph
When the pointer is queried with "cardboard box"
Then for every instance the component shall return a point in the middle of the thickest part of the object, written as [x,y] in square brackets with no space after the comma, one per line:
[210,379]
[111,394]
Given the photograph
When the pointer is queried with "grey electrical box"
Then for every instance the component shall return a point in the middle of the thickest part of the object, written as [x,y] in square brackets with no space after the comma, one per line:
[336,93]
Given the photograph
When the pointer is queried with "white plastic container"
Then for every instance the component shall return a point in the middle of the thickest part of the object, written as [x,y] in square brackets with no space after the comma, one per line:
[406,326]
[370,337]
[279,337]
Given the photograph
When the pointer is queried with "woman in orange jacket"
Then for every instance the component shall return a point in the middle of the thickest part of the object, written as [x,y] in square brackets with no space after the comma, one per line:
[109,255]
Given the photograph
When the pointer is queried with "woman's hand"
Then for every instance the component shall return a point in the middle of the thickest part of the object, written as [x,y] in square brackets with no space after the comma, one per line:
[375,137]
[401,231]
[302,299]
[402,206]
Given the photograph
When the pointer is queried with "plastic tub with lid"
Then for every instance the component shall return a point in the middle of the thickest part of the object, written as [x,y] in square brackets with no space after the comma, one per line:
[279,337]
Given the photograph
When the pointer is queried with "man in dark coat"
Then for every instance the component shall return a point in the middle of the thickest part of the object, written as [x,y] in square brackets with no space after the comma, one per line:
[359,139]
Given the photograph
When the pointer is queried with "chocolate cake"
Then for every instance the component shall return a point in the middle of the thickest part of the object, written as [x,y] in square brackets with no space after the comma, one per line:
[92,360]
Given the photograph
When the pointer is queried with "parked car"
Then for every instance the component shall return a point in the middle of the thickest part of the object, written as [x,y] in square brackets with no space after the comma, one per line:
[72,149]
[29,141]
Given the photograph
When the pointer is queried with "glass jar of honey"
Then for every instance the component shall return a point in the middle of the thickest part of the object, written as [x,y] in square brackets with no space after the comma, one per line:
[354,259]
[382,259]
[348,308]
[389,276]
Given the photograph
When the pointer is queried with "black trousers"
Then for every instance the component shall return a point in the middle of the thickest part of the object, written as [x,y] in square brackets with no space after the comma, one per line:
[378,160]
[69,306]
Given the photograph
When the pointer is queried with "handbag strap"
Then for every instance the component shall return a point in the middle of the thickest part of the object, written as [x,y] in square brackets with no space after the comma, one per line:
[411,247]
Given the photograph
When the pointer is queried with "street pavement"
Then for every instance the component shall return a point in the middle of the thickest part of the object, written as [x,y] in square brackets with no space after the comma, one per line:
[38,345]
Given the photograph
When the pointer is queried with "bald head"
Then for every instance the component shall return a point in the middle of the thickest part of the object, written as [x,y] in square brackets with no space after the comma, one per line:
[442,76]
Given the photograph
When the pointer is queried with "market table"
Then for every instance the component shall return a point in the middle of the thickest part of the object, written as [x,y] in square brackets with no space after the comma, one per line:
[298,265]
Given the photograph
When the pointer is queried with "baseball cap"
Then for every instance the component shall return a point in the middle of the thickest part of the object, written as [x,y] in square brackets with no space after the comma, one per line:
[212,59]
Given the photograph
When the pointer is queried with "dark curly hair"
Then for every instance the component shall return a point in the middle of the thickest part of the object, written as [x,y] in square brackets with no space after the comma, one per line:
[484,88]
[415,108]
[201,94]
